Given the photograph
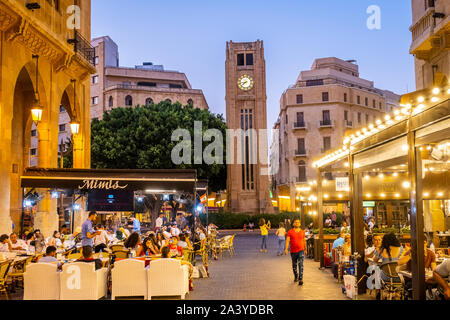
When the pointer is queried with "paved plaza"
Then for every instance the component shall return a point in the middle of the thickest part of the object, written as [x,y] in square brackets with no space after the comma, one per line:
[251,275]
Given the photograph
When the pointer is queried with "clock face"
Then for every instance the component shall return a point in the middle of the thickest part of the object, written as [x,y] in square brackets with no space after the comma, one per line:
[245,82]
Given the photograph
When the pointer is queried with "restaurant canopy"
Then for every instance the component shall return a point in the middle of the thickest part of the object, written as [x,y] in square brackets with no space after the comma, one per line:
[148,181]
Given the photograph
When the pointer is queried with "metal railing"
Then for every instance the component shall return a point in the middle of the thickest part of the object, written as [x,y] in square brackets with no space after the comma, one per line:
[326,123]
[300,153]
[83,47]
[300,125]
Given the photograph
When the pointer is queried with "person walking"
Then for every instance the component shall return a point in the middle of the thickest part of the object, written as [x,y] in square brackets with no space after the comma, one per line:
[264,234]
[296,241]
[281,234]
[87,231]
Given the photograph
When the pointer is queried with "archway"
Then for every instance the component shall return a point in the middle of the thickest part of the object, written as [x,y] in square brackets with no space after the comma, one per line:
[24,147]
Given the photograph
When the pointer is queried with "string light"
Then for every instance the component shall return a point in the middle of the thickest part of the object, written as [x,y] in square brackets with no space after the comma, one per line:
[436,91]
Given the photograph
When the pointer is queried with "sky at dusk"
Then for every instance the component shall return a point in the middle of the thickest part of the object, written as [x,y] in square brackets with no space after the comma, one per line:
[190,37]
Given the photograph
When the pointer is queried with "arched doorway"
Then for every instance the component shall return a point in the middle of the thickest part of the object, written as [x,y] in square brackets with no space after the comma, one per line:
[24,146]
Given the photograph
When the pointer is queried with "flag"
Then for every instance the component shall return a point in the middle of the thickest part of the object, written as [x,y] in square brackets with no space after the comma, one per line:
[204,198]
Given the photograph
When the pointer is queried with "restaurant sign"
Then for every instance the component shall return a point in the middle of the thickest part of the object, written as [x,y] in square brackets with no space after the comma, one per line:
[342,184]
[95,184]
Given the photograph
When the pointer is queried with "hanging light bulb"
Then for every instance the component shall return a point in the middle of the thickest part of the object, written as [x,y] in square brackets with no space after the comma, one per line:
[36,113]
[75,127]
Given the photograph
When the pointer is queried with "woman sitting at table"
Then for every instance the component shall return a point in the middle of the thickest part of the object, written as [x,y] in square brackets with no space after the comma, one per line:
[55,240]
[184,242]
[175,249]
[391,251]
[133,241]
[161,242]
[146,248]
[154,244]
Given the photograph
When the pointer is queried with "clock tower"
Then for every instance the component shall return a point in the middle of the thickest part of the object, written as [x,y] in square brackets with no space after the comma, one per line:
[247,173]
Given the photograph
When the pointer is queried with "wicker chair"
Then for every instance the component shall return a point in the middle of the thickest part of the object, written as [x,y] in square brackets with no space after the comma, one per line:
[121,254]
[19,269]
[4,268]
[394,289]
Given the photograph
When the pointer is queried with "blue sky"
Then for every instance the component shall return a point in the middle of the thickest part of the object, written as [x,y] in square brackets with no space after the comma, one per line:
[190,36]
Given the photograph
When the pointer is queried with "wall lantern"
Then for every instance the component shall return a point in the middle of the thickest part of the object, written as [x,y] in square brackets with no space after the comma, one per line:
[36,113]
[75,127]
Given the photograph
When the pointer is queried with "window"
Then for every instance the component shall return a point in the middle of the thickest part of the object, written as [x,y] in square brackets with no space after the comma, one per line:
[287,120]
[359,117]
[345,97]
[301,146]
[300,119]
[34,133]
[128,101]
[111,102]
[94,100]
[146,84]
[299,99]
[312,83]
[358,98]
[94,79]
[168,101]
[380,105]
[326,144]
[249,59]
[96,60]
[345,115]
[33,152]
[240,59]
[326,116]
[374,103]
[429,4]
[367,118]
[175,86]
[302,171]
[191,102]
[325,96]
[148,101]
[62,127]
[366,102]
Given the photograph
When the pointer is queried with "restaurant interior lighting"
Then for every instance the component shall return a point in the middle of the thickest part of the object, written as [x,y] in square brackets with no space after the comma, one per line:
[383,195]
[434,99]
[76,207]
[325,196]
[55,195]
[397,195]
[421,99]
[436,91]
[395,174]
[340,196]
[426,194]
[381,176]
[367,177]
[440,194]
[406,185]
[368,195]
[27,203]
[155,191]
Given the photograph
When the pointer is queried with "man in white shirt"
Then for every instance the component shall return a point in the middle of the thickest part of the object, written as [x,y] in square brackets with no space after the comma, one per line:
[5,244]
[101,240]
[17,244]
[167,235]
[159,222]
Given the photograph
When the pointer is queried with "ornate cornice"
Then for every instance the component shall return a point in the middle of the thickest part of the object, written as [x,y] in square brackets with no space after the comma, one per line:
[7,18]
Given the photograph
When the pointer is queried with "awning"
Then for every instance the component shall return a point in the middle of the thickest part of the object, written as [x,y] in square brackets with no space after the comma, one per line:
[149,181]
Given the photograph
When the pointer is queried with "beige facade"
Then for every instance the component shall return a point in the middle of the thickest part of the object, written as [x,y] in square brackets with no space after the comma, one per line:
[431,42]
[247,186]
[146,83]
[323,105]
[44,32]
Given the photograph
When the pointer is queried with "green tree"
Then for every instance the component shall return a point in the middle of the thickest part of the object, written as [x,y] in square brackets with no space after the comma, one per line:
[140,138]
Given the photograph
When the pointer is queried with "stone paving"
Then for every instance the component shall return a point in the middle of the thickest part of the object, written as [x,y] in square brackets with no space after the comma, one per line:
[250,275]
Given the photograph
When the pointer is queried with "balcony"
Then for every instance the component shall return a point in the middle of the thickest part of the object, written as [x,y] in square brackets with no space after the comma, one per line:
[348,124]
[299,125]
[300,153]
[83,48]
[326,124]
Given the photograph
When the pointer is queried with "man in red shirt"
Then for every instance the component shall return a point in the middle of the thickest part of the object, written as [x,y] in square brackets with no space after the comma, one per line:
[296,238]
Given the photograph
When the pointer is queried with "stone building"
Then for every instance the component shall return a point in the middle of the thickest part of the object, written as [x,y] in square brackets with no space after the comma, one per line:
[248,175]
[45,61]
[315,114]
[431,42]
[114,86]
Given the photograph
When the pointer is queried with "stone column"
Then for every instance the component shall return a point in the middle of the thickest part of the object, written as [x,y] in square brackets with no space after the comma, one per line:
[46,218]
[5,218]
[78,152]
